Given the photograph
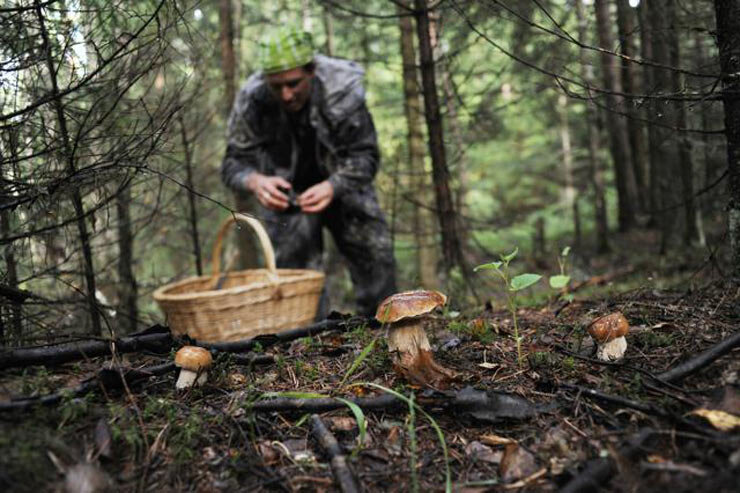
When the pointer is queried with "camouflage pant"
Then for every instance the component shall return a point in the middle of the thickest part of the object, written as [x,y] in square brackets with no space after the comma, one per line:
[361,234]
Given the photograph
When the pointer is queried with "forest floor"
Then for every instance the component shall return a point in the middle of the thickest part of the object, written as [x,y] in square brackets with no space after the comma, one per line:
[559,420]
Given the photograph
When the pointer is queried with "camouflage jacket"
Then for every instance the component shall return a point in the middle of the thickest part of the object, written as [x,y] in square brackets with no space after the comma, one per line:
[260,137]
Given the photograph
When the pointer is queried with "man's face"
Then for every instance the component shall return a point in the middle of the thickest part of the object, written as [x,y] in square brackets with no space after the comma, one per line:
[291,87]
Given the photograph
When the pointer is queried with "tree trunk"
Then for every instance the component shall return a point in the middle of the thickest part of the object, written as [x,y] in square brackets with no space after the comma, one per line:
[618,138]
[329,30]
[594,144]
[632,85]
[686,161]
[665,167]
[423,228]
[728,37]
[127,312]
[445,207]
[193,211]
[66,156]
[13,307]
[228,61]
[569,189]
[653,143]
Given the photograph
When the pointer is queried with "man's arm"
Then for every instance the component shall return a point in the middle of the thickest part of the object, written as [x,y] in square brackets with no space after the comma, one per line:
[357,153]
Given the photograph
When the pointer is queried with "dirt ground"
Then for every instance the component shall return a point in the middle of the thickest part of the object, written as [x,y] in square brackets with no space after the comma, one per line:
[614,424]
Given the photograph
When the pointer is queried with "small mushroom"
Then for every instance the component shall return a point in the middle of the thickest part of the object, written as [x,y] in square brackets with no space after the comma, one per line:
[194,363]
[407,314]
[608,333]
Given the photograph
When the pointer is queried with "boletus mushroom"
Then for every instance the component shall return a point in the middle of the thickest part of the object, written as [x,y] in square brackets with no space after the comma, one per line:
[194,363]
[608,333]
[408,313]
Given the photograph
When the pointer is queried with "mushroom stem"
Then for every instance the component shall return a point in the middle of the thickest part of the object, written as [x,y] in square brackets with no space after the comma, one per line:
[612,350]
[189,378]
[412,354]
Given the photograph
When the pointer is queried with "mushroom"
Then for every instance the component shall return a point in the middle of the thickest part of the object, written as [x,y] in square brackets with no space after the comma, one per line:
[194,363]
[407,313]
[608,333]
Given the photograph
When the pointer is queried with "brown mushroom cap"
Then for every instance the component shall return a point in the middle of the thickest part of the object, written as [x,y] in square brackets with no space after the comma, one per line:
[193,358]
[408,304]
[608,327]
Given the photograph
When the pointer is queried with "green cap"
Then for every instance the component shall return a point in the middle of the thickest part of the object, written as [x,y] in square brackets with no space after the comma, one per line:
[285,49]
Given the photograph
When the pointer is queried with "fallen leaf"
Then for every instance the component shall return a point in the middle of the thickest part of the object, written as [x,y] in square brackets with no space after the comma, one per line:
[478,451]
[496,440]
[341,423]
[517,463]
[719,419]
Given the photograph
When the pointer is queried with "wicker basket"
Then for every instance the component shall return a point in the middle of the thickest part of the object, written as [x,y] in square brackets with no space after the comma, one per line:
[248,303]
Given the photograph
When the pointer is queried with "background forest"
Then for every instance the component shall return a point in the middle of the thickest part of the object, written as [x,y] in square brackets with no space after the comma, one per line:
[592,124]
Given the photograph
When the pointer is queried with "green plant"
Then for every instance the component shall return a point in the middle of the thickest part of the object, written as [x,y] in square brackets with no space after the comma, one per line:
[561,280]
[513,286]
[440,435]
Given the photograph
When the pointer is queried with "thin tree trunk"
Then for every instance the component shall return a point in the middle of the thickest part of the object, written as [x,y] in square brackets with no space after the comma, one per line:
[618,138]
[445,206]
[127,312]
[666,172]
[329,30]
[569,189]
[14,309]
[594,144]
[630,77]
[66,155]
[189,182]
[686,161]
[228,61]
[728,37]
[653,143]
[306,20]
[458,165]
[423,228]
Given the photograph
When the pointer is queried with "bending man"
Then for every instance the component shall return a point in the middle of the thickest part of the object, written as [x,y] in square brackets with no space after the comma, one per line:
[300,138]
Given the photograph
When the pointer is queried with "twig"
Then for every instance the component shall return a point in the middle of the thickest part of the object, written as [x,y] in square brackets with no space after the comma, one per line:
[701,360]
[599,471]
[338,461]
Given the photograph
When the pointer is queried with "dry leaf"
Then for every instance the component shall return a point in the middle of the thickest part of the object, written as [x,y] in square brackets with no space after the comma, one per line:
[496,440]
[719,419]
[517,463]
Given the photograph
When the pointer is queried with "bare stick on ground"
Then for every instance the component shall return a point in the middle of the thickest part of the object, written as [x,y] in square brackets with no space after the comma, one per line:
[338,461]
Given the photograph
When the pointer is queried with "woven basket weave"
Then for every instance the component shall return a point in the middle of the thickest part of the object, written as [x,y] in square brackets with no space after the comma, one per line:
[248,302]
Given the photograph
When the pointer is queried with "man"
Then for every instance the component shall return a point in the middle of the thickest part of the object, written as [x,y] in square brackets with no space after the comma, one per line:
[300,138]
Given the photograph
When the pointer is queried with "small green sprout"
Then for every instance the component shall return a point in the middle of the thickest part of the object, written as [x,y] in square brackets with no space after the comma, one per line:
[513,286]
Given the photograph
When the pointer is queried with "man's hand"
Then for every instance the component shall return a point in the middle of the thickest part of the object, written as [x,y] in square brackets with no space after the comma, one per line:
[317,198]
[269,190]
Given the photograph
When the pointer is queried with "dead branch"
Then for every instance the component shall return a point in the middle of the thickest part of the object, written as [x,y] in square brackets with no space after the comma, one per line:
[599,471]
[703,359]
[156,339]
[340,468]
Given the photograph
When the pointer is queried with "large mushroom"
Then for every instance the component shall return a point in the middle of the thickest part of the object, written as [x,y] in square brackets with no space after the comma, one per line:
[194,363]
[407,313]
[608,333]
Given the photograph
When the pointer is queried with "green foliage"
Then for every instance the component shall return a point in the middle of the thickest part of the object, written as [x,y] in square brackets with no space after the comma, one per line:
[513,285]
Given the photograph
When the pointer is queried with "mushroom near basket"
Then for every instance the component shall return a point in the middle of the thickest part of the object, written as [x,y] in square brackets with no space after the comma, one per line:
[407,314]
[194,363]
[608,333]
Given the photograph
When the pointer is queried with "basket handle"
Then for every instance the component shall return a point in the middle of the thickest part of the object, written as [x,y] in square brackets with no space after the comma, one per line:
[265,242]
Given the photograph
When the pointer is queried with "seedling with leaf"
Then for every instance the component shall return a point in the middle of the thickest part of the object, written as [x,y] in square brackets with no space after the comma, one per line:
[513,286]
[561,280]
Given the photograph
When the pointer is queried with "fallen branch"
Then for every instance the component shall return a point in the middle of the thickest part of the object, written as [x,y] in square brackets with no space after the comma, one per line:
[156,339]
[599,471]
[110,379]
[106,378]
[488,407]
[339,466]
[703,359]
